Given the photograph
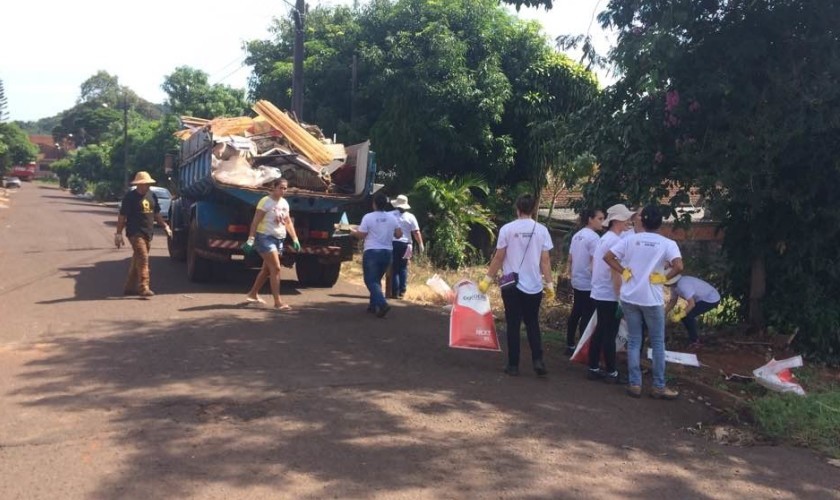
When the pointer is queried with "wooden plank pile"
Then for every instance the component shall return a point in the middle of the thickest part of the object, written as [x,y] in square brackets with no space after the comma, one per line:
[300,152]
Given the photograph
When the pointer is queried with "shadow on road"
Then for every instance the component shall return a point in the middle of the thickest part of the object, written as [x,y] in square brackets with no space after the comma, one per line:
[105,279]
[327,400]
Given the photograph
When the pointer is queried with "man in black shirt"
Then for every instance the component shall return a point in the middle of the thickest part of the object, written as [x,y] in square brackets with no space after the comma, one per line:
[138,213]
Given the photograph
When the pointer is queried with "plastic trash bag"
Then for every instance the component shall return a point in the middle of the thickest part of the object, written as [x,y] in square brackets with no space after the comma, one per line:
[581,354]
[776,375]
[471,324]
[441,287]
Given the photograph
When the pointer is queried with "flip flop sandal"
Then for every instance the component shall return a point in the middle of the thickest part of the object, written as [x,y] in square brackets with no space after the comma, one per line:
[283,307]
[258,300]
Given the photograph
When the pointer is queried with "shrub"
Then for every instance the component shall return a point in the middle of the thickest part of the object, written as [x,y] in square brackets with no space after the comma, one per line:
[77,184]
[104,191]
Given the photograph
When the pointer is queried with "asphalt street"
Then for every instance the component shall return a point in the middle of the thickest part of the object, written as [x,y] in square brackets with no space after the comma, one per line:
[194,394]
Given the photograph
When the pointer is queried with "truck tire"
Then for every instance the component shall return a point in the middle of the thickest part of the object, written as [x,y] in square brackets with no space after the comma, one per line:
[177,248]
[312,273]
[199,269]
[177,245]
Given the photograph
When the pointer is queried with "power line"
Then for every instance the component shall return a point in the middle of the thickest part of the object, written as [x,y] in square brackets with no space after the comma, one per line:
[237,59]
[220,80]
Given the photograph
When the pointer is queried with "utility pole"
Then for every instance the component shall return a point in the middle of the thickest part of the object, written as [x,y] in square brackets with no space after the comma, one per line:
[298,15]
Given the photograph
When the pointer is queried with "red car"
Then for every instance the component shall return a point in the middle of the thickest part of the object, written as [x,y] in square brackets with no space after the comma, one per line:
[25,172]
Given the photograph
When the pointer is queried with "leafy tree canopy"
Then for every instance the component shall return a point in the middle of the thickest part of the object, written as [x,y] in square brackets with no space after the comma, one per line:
[441,88]
[737,99]
[15,147]
[190,93]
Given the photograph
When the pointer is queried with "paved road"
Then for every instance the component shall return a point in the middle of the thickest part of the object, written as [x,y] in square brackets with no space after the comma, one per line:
[191,394]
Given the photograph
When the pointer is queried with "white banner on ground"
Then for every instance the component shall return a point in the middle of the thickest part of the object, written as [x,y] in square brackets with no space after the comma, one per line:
[680,358]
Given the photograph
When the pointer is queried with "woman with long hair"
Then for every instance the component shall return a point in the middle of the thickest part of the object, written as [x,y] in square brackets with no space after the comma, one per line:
[269,228]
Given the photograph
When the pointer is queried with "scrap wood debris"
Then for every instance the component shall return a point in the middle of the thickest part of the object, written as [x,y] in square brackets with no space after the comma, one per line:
[250,152]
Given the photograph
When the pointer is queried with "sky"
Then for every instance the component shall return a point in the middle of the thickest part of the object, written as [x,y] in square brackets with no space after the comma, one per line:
[50,47]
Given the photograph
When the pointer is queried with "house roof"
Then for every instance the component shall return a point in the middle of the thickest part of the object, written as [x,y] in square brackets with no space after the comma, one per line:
[48,149]
[566,197]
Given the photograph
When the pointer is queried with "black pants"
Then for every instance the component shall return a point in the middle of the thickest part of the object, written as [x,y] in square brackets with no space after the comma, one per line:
[522,307]
[582,309]
[603,338]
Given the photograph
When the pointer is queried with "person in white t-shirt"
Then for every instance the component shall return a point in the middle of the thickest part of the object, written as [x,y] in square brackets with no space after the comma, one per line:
[522,248]
[403,248]
[269,227]
[700,297]
[580,270]
[378,228]
[605,287]
[646,256]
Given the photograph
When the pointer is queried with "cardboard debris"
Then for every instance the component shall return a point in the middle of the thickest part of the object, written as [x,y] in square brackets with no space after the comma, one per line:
[252,151]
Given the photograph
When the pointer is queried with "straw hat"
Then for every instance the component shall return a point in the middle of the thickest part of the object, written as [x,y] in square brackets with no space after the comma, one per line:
[142,177]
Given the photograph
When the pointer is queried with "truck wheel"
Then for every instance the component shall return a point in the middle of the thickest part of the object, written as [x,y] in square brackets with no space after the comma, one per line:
[177,246]
[199,269]
[310,272]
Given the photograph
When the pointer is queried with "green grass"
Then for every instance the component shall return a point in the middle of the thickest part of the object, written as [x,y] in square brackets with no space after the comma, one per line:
[812,421]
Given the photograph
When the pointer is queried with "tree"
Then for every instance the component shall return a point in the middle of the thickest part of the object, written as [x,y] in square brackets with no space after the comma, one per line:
[738,100]
[4,103]
[190,93]
[101,88]
[437,86]
[16,148]
[88,123]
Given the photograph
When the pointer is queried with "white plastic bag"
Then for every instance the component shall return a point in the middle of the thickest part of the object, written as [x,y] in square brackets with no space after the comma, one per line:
[581,354]
[441,287]
[776,375]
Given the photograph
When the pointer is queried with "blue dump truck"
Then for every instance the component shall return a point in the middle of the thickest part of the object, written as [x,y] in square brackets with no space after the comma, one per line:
[210,219]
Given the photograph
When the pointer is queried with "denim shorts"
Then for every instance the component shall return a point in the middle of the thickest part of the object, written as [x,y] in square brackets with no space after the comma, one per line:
[266,243]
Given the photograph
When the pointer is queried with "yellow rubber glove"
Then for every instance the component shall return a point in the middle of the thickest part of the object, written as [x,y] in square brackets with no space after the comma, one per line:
[484,284]
[626,274]
[677,315]
[657,278]
[548,292]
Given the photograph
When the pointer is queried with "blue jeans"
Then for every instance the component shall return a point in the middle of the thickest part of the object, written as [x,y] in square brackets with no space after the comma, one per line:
[690,320]
[266,243]
[375,264]
[399,269]
[654,318]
